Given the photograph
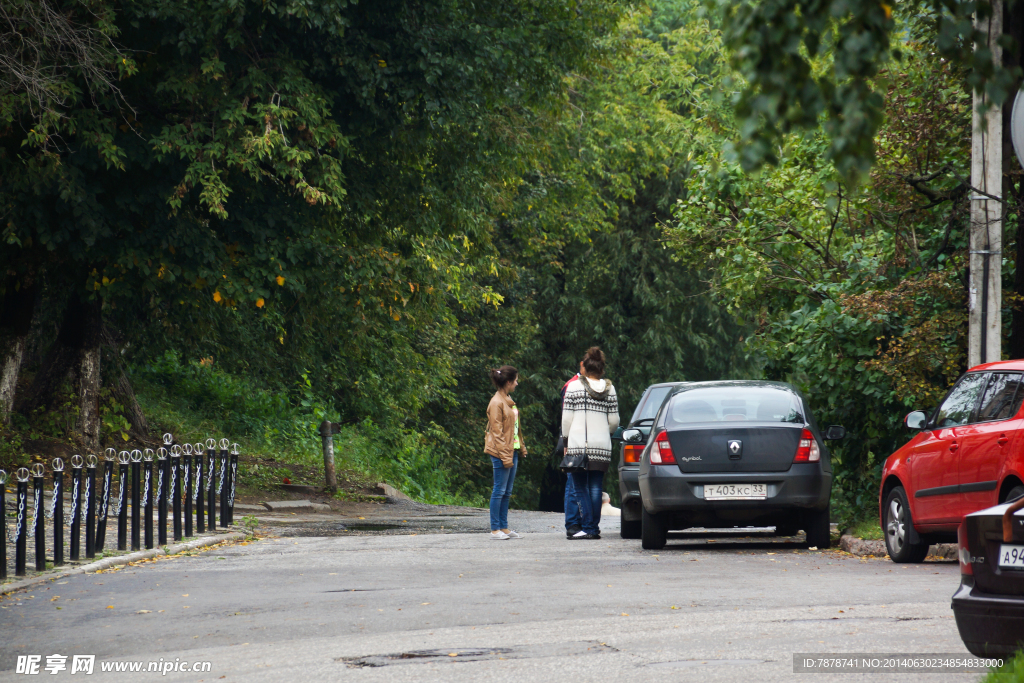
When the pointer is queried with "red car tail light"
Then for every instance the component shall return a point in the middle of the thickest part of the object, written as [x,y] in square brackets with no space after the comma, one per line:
[631,452]
[807,450]
[965,553]
[661,450]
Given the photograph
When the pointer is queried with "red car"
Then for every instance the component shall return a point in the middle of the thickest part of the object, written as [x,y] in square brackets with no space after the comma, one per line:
[967,456]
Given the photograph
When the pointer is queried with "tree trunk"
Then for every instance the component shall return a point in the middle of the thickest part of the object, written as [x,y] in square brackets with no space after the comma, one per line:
[89,375]
[122,388]
[15,322]
[63,359]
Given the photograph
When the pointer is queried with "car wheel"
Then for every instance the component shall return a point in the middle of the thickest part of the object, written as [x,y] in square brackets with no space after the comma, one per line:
[653,531]
[819,532]
[630,528]
[898,525]
[1015,492]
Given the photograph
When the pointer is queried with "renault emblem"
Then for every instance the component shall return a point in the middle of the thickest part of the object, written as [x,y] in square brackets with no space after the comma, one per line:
[735,448]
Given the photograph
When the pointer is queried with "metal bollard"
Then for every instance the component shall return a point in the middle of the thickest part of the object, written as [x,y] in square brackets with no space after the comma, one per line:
[58,511]
[147,497]
[3,524]
[327,431]
[176,489]
[161,496]
[198,494]
[211,490]
[136,499]
[123,458]
[186,485]
[37,471]
[20,532]
[89,505]
[109,456]
[234,477]
[222,488]
[76,505]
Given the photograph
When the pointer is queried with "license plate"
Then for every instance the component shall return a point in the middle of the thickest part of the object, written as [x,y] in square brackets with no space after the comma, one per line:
[735,491]
[1011,556]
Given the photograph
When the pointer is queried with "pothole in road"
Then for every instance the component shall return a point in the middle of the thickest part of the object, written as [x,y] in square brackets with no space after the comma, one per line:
[687,663]
[455,655]
[373,527]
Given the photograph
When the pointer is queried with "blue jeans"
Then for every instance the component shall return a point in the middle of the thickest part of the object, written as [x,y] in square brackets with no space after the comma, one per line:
[589,485]
[572,505]
[502,491]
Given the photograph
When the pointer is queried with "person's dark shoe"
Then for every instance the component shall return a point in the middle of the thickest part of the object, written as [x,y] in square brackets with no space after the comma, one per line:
[573,530]
[584,536]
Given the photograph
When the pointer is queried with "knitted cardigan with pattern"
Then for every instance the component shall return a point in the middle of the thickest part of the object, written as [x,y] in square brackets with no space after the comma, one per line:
[590,414]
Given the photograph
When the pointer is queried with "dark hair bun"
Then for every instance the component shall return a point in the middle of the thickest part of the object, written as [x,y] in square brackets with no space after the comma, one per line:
[503,375]
[593,362]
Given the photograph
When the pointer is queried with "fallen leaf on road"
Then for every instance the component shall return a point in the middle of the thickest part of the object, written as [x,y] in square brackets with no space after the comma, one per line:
[673,607]
[624,614]
[184,595]
[453,654]
[110,607]
[144,611]
[424,603]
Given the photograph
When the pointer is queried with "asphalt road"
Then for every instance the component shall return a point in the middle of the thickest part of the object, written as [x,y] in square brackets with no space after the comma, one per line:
[396,597]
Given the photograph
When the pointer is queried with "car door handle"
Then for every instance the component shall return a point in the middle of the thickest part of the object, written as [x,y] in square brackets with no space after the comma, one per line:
[1002,440]
[953,447]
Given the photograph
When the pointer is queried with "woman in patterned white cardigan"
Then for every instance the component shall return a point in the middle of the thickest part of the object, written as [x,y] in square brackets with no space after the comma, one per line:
[590,414]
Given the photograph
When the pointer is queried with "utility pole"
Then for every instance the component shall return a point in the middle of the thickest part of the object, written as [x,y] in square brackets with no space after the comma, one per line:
[986,238]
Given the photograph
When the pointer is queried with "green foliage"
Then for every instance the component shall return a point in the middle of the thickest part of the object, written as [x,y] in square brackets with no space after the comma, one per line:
[1012,671]
[811,63]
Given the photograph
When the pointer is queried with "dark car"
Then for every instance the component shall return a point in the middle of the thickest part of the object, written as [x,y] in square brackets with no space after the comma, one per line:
[734,453]
[968,455]
[989,605]
[629,456]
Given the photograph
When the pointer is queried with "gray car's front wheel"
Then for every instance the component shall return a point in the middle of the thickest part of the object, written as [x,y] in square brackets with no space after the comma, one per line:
[897,528]
[630,528]
[654,530]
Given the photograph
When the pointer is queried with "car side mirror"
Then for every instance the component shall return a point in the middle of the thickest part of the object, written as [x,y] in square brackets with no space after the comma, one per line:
[915,420]
[835,432]
[633,436]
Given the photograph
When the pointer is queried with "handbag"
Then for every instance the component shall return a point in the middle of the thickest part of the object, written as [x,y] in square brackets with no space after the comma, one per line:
[576,462]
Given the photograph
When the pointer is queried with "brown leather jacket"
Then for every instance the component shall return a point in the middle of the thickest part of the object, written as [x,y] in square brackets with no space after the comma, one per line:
[501,427]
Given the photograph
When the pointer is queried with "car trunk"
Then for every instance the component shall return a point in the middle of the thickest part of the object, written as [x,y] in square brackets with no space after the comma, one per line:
[984,536]
[764,448]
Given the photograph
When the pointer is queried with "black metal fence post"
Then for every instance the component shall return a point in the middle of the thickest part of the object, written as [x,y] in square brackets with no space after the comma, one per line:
[20,530]
[187,485]
[176,489]
[76,506]
[110,455]
[222,489]
[38,518]
[147,497]
[89,505]
[3,524]
[58,511]
[234,477]
[161,496]
[211,489]
[123,458]
[199,493]
[136,499]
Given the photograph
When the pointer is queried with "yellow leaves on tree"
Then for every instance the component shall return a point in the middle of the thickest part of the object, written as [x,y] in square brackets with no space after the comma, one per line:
[259,302]
[217,297]
[279,280]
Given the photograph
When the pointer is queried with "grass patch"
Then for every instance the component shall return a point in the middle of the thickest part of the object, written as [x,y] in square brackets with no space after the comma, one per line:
[866,528]
[1011,672]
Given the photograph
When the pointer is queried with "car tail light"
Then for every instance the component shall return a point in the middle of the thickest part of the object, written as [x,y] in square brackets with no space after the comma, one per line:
[965,553]
[808,450]
[661,450]
[632,452]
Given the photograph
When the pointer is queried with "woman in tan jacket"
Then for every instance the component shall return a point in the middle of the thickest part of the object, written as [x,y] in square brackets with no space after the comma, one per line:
[504,443]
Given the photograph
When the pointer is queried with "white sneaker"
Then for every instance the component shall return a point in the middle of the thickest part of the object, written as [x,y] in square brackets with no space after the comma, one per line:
[513,534]
[499,536]
[579,534]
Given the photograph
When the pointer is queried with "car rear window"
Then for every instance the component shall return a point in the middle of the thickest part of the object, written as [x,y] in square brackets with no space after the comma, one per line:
[733,404]
[650,403]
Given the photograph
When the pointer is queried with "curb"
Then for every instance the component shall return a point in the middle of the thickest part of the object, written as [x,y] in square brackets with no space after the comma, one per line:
[858,546]
[108,562]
